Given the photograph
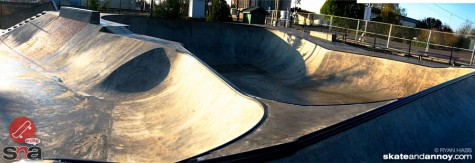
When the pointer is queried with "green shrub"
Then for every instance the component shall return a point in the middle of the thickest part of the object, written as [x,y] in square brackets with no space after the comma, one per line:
[171,9]
[219,11]
[93,5]
[105,7]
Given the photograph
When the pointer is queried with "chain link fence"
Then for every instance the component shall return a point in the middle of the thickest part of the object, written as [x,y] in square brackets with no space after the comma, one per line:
[423,43]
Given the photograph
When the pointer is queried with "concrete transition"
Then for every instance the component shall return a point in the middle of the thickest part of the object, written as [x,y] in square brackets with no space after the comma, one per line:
[13,13]
[134,89]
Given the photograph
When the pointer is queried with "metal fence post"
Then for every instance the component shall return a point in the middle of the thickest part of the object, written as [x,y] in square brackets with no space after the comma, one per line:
[471,58]
[120,5]
[389,35]
[365,26]
[331,22]
[357,28]
[305,19]
[289,19]
[271,18]
[374,44]
[310,20]
[428,40]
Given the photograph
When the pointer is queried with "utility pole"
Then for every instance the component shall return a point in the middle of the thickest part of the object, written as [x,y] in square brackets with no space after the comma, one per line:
[276,10]
[151,7]
[238,12]
[450,19]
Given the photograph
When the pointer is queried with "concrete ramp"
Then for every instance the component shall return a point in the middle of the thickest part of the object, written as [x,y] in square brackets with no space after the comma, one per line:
[83,15]
[419,124]
[157,111]
[143,97]
[285,67]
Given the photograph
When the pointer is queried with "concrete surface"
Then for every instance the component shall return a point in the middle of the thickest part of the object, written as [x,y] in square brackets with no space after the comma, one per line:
[284,67]
[154,109]
[83,15]
[322,35]
[129,97]
[329,66]
[16,12]
[438,119]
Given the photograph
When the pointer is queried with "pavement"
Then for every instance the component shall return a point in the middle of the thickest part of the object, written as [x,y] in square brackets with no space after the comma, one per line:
[134,89]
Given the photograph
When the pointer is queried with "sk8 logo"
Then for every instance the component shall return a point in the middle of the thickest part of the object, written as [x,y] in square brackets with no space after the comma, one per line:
[22,130]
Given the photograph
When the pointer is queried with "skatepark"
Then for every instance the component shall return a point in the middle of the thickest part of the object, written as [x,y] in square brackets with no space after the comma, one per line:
[135,89]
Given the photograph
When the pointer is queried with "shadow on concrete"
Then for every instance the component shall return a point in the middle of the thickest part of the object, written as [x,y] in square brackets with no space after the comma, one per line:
[6,107]
[336,78]
[262,62]
[19,37]
[139,74]
[225,44]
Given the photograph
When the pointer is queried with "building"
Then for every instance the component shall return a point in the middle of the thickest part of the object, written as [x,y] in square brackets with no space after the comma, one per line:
[266,4]
[404,20]
[254,15]
[407,21]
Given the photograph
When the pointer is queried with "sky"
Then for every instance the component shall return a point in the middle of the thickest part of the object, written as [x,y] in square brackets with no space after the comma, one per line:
[460,11]
[420,11]
[312,5]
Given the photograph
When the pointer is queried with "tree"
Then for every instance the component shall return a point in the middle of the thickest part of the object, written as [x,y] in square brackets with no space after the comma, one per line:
[219,11]
[170,9]
[446,28]
[349,8]
[389,13]
[105,7]
[463,41]
[429,23]
[465,28]
[93,4]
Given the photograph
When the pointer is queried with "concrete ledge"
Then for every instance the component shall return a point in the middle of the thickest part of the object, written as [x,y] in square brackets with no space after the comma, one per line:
[88,16]
[322,35]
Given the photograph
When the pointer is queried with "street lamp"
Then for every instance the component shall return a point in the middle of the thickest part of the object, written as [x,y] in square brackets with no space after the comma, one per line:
[209,8]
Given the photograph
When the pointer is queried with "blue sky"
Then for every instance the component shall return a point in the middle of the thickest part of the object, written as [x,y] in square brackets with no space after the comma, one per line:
[419,11]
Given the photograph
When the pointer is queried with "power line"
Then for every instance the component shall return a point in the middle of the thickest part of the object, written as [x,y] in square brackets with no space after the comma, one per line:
[451,12]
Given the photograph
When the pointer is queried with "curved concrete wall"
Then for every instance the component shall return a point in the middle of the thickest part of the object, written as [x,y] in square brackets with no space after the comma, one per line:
[15,12]
[284,67]
[167,105]
[440,119]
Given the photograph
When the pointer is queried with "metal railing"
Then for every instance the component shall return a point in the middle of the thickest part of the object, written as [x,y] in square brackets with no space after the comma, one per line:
[404,39]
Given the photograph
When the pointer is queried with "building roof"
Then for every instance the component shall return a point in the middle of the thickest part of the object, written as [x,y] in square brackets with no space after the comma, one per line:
[408,19]
[254,8]
[306,11]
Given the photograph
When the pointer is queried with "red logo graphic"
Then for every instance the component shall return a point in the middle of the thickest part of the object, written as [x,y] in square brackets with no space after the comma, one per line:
[22,128]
